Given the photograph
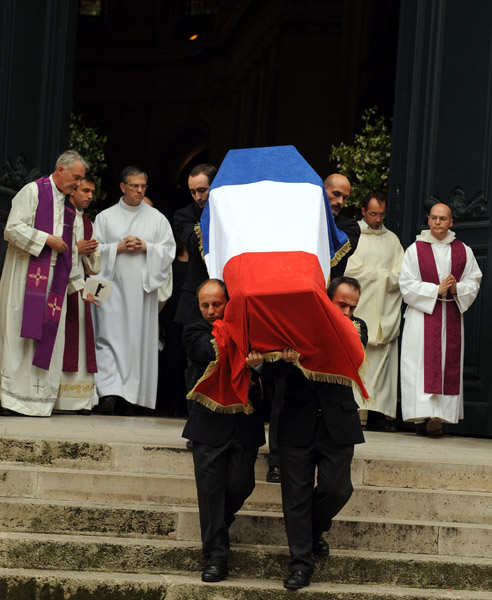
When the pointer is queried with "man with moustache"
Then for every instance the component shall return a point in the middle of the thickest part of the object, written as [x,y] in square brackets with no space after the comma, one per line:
[439,281]
[225,445]
[37,275]
[376,265]
[77,390]
[137,249]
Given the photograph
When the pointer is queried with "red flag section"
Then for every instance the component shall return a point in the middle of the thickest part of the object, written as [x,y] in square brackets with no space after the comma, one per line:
[278,299]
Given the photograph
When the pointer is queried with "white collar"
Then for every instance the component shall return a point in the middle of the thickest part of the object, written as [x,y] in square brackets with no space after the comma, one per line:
[364,227]
[426,236]
[56,192]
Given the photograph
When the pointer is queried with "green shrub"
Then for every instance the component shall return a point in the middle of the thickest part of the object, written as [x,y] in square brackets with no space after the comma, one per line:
[90,144]
[366,162]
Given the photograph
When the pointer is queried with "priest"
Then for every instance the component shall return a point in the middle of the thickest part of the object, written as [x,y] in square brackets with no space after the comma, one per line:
[439,281]
[37,274]
[77,390]
[376,264]
[137,249]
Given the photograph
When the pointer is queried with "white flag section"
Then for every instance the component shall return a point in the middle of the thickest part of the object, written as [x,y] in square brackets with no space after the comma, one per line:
[267,216]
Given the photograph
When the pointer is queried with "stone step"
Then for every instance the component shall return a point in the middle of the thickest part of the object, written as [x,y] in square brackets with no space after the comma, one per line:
[92,554]
[126,457]
[433,474]
[73,484]
[416,504]
[18,584]
[367,501]
[250,527]
[458,474]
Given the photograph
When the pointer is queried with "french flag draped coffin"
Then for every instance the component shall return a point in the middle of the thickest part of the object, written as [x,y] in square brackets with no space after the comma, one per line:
[269,233]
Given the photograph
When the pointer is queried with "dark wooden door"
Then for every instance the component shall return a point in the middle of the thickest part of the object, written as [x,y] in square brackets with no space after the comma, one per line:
[441,151]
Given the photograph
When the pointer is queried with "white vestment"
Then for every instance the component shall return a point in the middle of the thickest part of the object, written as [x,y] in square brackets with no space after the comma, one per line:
[126,326]
[421,298]
[24,388]
[376,264]
[77,390]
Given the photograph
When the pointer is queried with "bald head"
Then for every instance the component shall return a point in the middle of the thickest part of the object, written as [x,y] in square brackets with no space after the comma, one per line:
[338,191]
[439,208]
[440,220]
[212,299]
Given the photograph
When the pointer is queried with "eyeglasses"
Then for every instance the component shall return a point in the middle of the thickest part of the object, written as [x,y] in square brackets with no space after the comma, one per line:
[137,186]
[375,214]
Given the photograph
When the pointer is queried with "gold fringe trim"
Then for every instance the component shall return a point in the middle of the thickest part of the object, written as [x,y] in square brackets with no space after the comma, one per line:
[209,402]
[272,356]
[340,253]
[218,408]
[198,233]
[327,377]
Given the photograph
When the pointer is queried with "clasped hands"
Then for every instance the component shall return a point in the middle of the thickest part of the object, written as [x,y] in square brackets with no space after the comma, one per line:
[132,244]
[86,247]
[448,284]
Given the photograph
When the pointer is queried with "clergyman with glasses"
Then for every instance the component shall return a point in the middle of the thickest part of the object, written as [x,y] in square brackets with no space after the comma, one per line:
[137,249]
[376,265]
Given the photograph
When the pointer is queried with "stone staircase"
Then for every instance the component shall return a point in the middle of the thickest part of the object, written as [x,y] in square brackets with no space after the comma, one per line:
[117,520]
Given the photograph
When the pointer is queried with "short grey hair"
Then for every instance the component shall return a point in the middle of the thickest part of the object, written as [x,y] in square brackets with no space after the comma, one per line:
[68,158]
[132,171]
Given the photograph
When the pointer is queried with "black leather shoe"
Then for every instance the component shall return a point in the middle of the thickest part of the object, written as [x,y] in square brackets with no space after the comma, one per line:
[126,409]
[214,573]
[296,580]
[106,406]
[320,547]
[383,425]
[273,475]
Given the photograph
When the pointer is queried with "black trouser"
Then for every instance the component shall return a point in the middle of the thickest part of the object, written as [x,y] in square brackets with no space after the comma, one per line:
[276,406]
[309,510]
[225,477]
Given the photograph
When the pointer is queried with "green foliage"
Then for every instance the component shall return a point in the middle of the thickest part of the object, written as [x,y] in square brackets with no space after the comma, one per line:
[366,162]
[87,141]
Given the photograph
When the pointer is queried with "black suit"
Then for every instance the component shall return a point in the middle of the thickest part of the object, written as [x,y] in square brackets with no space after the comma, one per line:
[184,229]
[225,447]
[318,427]
[351,228]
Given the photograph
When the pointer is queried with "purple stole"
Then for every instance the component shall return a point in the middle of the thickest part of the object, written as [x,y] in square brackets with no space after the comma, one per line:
[71,353]
[435,381]
[41,316]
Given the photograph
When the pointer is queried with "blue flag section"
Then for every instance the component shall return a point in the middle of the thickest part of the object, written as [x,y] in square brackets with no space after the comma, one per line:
[281,164]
